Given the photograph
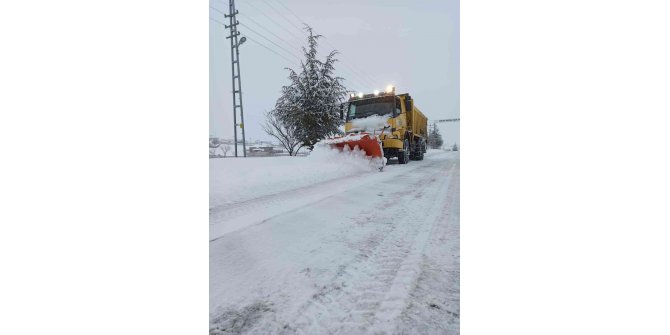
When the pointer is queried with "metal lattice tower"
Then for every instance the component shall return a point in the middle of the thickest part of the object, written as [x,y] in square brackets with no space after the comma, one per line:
[237,81]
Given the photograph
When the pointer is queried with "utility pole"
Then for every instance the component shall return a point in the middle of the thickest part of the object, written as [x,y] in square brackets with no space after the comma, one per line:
[237,81]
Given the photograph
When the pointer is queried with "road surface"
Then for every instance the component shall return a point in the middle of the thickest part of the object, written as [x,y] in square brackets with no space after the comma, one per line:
[370,253]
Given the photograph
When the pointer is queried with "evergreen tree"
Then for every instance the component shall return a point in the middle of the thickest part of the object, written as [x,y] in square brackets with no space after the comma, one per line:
[309,104]
[434,137]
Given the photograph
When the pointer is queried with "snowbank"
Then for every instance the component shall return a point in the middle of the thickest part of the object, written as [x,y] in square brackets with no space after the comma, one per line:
[238,179]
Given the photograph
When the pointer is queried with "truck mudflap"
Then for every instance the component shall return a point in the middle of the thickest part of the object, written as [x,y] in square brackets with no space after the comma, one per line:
[370,144]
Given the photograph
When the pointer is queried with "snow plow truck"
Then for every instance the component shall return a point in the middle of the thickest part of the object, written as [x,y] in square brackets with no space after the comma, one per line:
[383,124]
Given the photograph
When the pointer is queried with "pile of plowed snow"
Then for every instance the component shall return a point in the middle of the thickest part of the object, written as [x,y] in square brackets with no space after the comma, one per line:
[238,179]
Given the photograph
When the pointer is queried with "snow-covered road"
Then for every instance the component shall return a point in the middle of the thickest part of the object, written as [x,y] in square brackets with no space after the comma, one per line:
[366,252]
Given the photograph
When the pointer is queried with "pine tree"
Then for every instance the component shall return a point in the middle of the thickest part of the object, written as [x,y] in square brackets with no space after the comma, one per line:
[309,104]
[435,138]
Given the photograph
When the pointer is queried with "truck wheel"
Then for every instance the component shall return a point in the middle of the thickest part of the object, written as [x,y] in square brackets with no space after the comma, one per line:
[403,156]
[414,154]
[423,150]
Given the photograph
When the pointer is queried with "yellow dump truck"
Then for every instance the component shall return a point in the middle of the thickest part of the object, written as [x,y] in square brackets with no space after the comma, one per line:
[402,132]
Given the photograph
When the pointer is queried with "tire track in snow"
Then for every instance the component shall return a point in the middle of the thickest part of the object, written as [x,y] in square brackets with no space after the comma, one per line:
[350,299]
[396,299]
[435,300]
[374,290]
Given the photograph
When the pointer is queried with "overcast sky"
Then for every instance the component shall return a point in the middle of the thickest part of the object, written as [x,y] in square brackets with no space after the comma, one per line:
[413,45]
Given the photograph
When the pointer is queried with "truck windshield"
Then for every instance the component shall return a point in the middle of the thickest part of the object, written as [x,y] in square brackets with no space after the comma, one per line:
[364,109]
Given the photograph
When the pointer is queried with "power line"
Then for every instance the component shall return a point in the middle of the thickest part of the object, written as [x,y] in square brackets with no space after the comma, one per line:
[355,78]
[276,53]
[270,31]
[217,21]
[260,25]
[269,40]
[259,43]
[218,10]
[282,15]
[271,19]
[354,71]
[353,81]
[294,14]
[356,75]
[259,34]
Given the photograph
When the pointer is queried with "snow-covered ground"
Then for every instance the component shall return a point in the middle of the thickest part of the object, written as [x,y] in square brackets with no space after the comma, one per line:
[327,244]
[233,180]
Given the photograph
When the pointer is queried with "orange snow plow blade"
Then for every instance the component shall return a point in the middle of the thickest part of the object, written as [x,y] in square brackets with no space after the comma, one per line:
[366,142]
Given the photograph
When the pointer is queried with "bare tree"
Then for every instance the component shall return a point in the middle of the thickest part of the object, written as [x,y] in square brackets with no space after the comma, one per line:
[225,149]
[286,135]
